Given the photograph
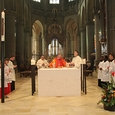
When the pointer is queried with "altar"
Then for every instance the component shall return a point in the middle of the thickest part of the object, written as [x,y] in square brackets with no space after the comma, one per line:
[59,82]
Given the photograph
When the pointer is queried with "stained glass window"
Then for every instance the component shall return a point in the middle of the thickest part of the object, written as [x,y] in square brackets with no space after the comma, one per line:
[54,1]
[54,47]
[37,0]
[70,0]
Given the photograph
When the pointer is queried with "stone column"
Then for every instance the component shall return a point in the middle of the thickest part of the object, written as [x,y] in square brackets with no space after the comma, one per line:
[83,43]
[72,46]
[78,44]
[89,39]
[36,48]
[46,49]
[20,42]
[33,45]
[27,46]
[10,41]
[110,18]
[37,45]
[98,45]
[43,47]
[75,42]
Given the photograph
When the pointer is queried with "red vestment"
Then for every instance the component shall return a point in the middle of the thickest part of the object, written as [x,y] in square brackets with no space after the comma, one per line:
[58,63]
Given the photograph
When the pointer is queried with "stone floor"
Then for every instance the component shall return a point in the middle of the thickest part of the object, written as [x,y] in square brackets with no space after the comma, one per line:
[21,102]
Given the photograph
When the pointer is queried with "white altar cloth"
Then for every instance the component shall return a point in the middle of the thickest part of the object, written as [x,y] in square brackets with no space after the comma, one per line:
[59,82]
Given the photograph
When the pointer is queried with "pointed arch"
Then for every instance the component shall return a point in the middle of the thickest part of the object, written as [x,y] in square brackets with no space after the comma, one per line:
[38,39]
[71,27]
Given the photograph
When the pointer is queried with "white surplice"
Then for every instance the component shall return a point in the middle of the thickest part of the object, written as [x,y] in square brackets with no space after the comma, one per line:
[112,68]
[12,71]
[40,63]
[76,60]
[99,75]
[105,72]
[5,80]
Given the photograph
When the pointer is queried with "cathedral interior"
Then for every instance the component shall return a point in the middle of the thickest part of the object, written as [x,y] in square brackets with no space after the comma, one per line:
[49,27]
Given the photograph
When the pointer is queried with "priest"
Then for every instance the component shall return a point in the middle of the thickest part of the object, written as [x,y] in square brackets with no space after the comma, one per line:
[58,62]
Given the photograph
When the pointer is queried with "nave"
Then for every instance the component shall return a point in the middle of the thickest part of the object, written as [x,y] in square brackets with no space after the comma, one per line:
[20,101]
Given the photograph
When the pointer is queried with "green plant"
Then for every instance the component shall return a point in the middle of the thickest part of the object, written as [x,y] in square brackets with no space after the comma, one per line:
[108,93]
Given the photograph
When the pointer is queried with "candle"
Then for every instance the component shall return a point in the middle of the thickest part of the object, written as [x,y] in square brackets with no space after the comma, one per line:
[32,62]
[3,26]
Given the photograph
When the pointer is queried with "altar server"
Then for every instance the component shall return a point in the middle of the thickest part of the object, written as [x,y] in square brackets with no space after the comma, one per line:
[76,61]
[12,72]
[105,71]
[7,73]
[42,63]
[5,82]
[99,75]
[112,69]
[111,65]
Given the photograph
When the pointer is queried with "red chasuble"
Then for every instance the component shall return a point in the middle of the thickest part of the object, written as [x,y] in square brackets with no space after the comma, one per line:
[58,63]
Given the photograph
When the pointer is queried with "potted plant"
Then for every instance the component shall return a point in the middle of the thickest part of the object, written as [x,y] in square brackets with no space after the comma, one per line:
[108,94]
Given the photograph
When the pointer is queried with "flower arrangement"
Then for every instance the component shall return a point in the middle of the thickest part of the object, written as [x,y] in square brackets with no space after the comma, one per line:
[108,93]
